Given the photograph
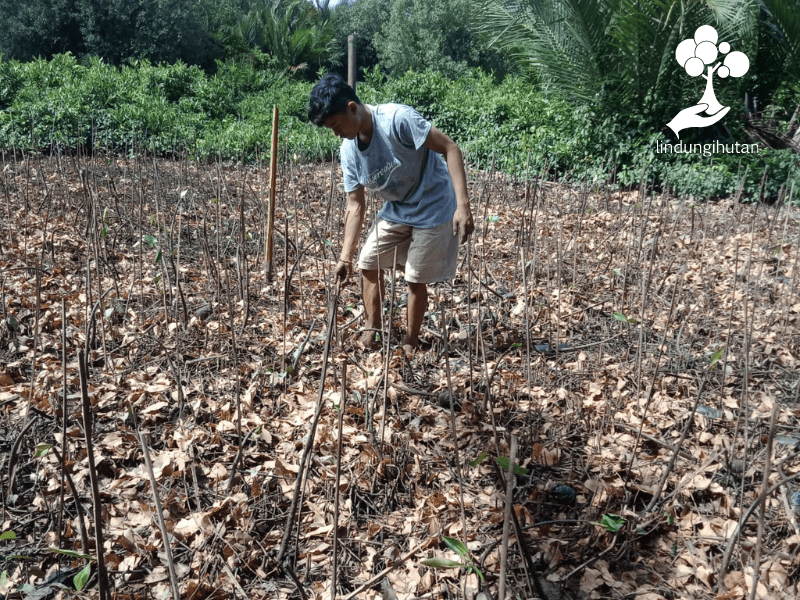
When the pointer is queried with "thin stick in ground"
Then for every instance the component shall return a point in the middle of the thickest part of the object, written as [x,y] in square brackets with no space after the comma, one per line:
[310,444]
[342,407]
[510,479]
[761,509]
[173,578]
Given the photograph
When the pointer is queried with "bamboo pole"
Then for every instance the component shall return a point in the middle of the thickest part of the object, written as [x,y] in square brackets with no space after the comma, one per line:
[273,168]
[351,61]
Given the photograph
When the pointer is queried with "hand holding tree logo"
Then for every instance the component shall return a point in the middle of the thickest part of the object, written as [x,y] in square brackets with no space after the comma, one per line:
[697,55]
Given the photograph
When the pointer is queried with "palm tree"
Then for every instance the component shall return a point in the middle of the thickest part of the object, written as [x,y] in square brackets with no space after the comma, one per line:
[786,17]
[292,31]
[618,50]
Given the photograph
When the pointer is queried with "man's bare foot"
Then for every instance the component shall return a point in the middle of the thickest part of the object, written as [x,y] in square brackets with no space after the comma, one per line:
[370,339]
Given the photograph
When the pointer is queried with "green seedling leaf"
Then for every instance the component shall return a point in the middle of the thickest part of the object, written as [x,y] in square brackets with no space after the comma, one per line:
[611,523]
[8,535]
[456,546]
[104,233]
[26,588]
[327,242]
[183,194]
[716,357]
[4,582]
[81,579]
[473,569]
[41,450]
[621,317]
[493,219]
[503,462]
[150,240]
[442,563]
[481,457]
[158,256]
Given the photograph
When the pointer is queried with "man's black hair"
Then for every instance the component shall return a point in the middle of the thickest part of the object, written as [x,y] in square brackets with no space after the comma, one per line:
[329,96]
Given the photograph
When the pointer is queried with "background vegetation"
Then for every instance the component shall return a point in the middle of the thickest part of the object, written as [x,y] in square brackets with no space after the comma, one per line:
[576,89]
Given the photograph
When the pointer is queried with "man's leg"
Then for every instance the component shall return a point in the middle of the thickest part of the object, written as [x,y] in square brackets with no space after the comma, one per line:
[372,289]
[417,305]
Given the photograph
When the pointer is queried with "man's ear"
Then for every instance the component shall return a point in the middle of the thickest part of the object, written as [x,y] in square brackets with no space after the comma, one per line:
[352,107]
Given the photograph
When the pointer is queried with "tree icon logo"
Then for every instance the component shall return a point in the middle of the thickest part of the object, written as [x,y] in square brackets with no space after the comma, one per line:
[697,55]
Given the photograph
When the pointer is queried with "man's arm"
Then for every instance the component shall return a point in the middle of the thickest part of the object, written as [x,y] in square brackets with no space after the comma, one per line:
[353,221]
[441,143]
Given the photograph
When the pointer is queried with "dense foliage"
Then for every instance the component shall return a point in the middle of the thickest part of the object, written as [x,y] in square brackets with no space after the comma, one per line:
[63,103]
[573,89]
[116,30]
[293,32]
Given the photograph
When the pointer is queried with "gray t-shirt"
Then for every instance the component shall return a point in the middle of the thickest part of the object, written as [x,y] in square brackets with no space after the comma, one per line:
[413,181]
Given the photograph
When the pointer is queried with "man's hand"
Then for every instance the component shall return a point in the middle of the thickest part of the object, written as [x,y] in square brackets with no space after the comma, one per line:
[463,225]
[342,271]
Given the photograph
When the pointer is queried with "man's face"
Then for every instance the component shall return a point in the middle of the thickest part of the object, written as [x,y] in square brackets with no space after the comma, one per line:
[344,124]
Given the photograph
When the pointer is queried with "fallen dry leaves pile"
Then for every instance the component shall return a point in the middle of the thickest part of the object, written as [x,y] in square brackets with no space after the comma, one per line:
[579,319]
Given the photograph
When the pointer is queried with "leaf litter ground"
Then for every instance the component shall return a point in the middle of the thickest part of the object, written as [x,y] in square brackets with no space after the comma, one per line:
[634,345]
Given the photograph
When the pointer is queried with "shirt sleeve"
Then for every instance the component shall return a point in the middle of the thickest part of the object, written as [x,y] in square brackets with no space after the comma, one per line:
[349,170]
[411,127]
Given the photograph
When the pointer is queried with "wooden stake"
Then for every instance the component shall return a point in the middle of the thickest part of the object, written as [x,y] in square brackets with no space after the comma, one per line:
[351,61]
[273,168]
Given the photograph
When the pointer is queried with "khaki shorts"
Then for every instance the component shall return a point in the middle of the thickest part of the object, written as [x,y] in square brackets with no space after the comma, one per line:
[426,255]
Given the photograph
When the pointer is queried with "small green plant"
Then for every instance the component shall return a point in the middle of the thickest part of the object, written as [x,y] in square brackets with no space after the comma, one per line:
[465,563]
[82,577]
[624,319]
[502,461]
[715,358]
[104,231]
[611,523]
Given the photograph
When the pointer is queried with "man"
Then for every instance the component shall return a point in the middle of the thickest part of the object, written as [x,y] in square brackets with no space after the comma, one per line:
[392,150]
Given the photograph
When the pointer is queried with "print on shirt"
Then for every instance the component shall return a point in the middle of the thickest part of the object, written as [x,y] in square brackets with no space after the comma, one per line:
[379,179]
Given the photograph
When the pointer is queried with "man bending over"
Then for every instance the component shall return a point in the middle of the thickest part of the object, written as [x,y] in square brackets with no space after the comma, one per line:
[393,151]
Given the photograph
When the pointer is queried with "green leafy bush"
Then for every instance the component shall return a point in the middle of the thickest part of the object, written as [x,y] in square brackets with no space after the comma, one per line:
[64,102]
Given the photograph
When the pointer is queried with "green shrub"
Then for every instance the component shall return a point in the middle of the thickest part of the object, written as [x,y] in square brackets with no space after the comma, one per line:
[514,124]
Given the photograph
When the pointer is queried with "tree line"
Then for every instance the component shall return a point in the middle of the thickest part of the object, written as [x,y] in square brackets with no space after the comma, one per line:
[603,73]
[612,51]
[306,35]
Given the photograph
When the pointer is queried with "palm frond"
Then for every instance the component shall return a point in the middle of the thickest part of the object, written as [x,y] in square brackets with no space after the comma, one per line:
[786,15]
[578,46]
[559,41]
